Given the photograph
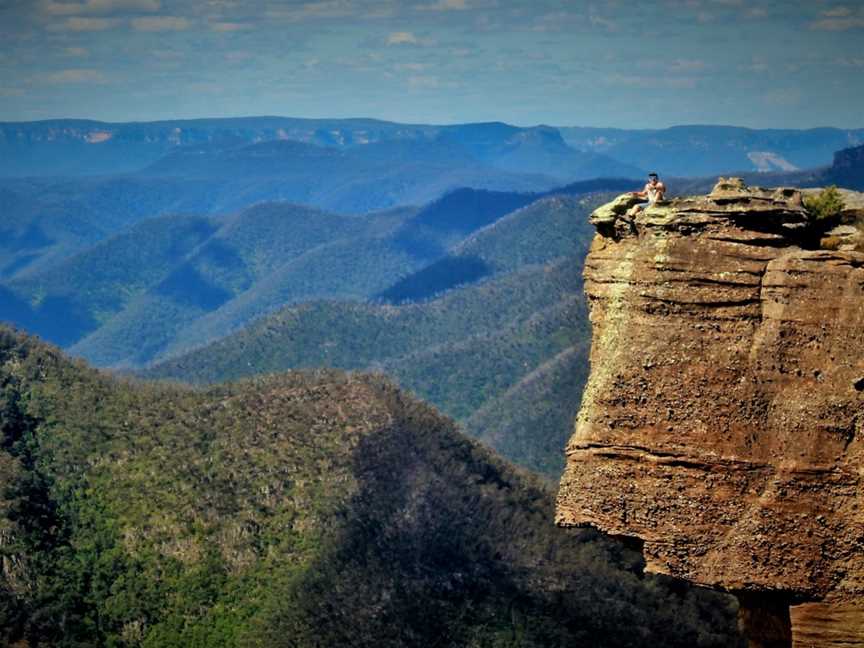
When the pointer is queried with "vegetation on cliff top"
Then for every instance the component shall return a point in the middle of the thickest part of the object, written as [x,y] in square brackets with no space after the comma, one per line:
[827,203]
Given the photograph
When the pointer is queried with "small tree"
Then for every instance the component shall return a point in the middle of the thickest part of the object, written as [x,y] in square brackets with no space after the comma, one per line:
[827,203]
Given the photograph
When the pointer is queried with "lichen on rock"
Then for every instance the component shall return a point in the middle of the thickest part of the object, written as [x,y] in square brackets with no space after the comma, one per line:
[721,424]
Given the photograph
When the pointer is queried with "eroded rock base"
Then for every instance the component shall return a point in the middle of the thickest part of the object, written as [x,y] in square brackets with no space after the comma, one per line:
[765,621]
[823,625]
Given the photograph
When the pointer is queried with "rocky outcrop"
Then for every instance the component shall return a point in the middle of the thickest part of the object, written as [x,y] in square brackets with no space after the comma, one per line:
[723,422]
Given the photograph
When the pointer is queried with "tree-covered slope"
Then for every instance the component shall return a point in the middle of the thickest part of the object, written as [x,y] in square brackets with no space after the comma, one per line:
[85,290]
[305,509]
[534,232]
[52,219]
[353,335]
[277,254]
[132,292]
[460,344]
[49,219]
[533,419]
[459,352]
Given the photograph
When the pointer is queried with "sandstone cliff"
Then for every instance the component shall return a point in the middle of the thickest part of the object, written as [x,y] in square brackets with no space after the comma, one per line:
[723,422]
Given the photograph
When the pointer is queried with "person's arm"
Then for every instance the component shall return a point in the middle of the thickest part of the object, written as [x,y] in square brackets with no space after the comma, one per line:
[642,193]
[661,190]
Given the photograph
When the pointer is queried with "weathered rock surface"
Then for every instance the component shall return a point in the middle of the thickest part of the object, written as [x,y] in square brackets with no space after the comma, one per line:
[723,422]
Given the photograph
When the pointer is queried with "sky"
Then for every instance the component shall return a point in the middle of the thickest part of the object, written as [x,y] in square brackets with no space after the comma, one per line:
[756,63]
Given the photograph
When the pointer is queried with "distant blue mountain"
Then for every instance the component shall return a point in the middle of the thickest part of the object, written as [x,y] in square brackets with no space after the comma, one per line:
[689,151]
[81,147]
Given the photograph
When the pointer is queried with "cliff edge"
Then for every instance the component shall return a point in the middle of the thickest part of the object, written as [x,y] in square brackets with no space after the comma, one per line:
[723,421]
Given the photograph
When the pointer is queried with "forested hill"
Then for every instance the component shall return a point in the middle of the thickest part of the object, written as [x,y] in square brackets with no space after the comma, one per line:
[455,337]
[304,509]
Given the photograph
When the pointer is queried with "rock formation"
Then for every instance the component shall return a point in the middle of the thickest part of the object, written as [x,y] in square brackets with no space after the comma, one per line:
[723,422]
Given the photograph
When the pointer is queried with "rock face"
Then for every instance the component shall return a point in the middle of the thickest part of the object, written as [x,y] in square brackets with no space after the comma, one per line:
[723,422]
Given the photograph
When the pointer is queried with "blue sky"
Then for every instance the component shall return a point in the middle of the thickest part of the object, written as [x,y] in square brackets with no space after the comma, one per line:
[759,63]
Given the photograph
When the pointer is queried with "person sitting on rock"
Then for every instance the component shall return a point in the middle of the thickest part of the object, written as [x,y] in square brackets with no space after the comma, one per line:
[654,190]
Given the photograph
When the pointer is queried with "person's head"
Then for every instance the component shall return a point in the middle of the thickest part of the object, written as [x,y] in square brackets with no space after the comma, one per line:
[652,178]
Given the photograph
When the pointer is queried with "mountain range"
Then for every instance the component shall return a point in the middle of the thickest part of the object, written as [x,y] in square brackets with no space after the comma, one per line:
[688,151]
[86,147]
[169,284]
[159,290]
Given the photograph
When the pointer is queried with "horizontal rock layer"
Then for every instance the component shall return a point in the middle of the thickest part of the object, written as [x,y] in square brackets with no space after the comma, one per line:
[723,422]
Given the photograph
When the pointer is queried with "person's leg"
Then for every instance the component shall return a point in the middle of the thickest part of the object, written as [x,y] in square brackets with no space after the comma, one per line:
[635,209]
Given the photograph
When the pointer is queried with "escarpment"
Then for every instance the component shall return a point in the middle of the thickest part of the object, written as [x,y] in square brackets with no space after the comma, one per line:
[723,421]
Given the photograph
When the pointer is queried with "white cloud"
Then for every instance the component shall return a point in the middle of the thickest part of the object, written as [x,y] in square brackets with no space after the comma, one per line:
[160,23]
[79,24]
[756,65]
[605,23]
[838,23]
[76,52]
[401,38]
[411,67]
[313,10]
[168,55]
[53,8]
[445,5]
[783,97]
[634,81]
[850,62]
[462,52]
[421,81]
[551,22]
[237,56]
[75,75]
[408,38]
[687,65]
[837,12]
[229,26]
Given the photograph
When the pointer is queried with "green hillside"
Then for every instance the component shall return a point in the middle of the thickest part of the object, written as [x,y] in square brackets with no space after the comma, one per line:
[98,283]
[46,220]
[304,509]
[459,351]
[533,418]
[174,283]
[353,335]
[276,254]
[133,292]
[460,348]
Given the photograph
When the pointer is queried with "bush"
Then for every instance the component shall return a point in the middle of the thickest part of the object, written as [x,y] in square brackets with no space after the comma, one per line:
[828,203]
